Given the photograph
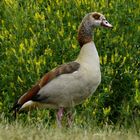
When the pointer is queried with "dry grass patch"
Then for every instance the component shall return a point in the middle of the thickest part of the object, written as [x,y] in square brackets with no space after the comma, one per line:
[39,132]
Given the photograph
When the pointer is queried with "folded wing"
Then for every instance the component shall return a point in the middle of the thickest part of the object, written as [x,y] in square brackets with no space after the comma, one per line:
[30,94]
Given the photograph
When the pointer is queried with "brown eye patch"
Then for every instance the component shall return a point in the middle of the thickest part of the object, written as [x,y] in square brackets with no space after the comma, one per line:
[96,16]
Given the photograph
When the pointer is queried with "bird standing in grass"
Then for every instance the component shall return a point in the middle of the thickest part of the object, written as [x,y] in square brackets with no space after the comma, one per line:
[72,83]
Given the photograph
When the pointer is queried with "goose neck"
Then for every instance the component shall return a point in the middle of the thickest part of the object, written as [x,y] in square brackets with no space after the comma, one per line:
[85,34]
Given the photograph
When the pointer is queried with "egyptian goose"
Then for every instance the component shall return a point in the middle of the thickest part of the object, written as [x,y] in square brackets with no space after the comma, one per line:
[72,83]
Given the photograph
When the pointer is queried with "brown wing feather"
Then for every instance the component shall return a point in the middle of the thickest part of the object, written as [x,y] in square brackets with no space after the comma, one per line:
[62,69]
[29,94]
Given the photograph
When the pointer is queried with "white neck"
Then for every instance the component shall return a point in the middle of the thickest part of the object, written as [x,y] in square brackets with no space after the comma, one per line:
[89,55]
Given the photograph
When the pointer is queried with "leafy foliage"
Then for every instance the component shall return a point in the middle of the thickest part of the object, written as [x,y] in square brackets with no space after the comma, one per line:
[37,35]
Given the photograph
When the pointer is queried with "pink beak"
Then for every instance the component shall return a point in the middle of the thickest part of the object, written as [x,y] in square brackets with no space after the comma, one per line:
[105,23]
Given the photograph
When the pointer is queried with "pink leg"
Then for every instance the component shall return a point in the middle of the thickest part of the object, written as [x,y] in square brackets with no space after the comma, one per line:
[59,116]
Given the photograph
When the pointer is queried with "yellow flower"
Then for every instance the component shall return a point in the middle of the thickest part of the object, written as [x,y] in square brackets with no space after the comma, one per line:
[39,16]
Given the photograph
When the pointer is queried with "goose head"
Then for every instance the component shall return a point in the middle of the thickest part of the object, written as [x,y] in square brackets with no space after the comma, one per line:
[96,19]
[89,22]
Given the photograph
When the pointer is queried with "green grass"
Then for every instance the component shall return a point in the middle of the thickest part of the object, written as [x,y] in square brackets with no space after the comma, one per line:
[18,131]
